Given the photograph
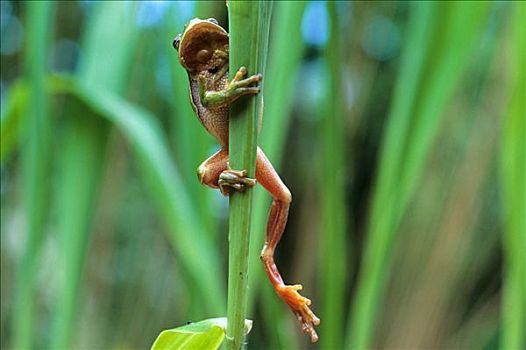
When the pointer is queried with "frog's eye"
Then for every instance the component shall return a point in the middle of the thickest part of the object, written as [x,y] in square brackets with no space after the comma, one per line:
[212,20]
[203,56]
[176,42]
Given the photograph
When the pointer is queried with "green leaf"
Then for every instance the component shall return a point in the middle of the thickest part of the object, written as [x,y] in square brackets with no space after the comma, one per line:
[204,335]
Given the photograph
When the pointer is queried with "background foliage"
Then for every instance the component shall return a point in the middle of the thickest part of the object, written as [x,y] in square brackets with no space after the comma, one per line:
[399,128]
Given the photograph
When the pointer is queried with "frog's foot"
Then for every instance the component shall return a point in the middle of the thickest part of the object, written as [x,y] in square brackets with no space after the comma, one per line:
[234,179]
[239,84]
[300,306]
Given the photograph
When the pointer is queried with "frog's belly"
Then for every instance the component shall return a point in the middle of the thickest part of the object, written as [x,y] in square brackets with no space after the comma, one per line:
[214,119]
[216,122]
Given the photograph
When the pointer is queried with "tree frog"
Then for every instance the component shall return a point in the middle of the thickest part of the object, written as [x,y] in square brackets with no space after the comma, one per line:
[203,52]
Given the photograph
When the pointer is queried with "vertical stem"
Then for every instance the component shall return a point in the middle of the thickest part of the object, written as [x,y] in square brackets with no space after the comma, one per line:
[513,182]
[35,155]
[249,27]
[333,199]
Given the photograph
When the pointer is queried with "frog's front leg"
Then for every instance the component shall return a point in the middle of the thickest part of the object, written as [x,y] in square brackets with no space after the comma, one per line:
[235,89]
[214,173]
[279,210]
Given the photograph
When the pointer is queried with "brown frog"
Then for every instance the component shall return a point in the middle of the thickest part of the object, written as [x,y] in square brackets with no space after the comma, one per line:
[203,52]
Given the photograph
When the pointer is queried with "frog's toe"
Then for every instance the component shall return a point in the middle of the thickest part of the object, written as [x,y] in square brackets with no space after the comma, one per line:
[235,179]
[241,72]
[254,79]
[301,308]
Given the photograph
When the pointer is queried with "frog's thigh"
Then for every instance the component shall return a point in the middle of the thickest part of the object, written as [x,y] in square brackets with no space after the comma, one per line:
[270,180]
[208,172]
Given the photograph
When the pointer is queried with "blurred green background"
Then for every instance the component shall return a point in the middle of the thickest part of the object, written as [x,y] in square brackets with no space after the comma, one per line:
[398,126]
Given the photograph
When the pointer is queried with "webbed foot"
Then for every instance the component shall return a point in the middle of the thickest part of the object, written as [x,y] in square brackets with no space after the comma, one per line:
[300,306]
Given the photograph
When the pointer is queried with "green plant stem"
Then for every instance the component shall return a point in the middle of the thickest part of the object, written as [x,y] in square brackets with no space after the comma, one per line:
[333,196]
[513,180]
[249,28]
[35,155]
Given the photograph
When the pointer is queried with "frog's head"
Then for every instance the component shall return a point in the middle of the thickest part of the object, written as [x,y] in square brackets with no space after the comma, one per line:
[202,46]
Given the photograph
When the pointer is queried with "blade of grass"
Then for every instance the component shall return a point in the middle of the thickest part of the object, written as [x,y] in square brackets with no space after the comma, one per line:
[186,234]
[333,261]
[80,168]
[145,135]
[513,182]
[35,163]
[188,238]
[249,24]
[436,263]
[282,74]
[104,66]
[107,57]
[440,40]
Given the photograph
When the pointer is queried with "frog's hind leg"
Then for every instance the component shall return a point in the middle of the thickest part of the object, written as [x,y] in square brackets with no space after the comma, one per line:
[208,172]
[268,178]
[214,173]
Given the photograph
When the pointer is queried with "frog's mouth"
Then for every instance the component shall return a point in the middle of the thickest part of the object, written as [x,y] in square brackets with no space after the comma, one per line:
[200,36]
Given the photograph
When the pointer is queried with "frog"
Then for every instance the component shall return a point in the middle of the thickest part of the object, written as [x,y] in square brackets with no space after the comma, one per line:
[203,51]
